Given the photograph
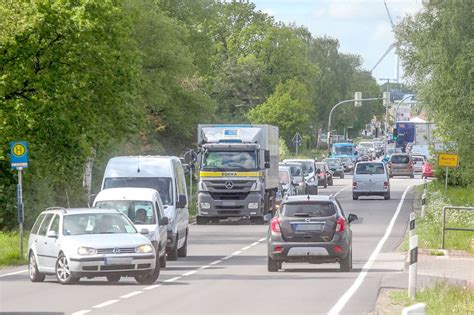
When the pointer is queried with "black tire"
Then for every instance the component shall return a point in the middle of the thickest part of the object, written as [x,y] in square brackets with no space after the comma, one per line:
[355,197]
[342,175]
[273,265]
[386,196]
[183,251]
[346,263]
[412,176]
[35,275]
[326,182]
[63,273]
[151,277]
[201,220]
[113,278]
[162,260]
[331,183]
[257,220]
[391,176]
[173,253]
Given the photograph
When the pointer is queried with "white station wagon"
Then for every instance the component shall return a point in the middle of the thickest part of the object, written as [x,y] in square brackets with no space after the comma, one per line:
[75,243]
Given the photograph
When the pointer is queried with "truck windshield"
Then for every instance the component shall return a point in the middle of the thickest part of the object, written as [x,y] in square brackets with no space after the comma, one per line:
[347,150]
[162,184]
[229,160]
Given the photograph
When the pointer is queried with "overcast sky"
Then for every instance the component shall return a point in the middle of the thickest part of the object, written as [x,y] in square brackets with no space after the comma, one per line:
[361,26]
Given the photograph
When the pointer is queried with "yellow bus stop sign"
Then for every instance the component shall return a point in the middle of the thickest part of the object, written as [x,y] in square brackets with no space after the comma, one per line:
[19,149]
[448,159]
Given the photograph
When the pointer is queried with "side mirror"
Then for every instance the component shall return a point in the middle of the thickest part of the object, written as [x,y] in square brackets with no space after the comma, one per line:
[144,231]
[52,234]
[267,164]
[164,221]
[352,218]
[181,201]
[267,156]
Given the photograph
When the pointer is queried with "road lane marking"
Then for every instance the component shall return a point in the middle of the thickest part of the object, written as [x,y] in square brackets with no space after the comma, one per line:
[151,287]
[13,273]
[227,257]
[254,243]
[341,190]
[236,253]
[81,312]
[262,239]
[204,267]
[126,296]
[360,278]
[245,248]
[172,279]
[189,273]
[110,302]
[216,262]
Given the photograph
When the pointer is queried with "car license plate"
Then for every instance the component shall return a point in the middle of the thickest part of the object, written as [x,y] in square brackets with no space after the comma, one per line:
[118,261]
[313,227]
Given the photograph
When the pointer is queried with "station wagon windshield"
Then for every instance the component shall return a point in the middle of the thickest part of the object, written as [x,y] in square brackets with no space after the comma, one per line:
[229,160]
[162,184]
[96,223]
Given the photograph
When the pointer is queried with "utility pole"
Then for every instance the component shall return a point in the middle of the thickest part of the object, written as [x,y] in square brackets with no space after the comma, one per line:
[386,103]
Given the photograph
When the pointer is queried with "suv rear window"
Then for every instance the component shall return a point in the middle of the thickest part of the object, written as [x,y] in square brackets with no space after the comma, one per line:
[400,159]
[309,209]
[370,168]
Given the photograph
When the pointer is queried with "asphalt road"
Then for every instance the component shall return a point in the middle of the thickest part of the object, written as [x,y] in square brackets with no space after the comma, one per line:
[226,272]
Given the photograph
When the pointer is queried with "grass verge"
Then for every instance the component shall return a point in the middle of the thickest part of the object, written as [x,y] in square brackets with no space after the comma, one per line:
[9,249]
[429,228]
[443,298]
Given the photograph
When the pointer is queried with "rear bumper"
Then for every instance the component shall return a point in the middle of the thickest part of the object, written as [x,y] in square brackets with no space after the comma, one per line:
[308,252]
[395,172]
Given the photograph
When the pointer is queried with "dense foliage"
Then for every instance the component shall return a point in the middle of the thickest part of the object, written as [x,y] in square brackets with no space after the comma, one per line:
[86,79]
[437,48]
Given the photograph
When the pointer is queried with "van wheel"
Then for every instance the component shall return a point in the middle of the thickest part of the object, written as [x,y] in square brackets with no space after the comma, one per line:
[35,275]
[173,253]
[162,259]
[273,265]
[183,251]
[386,196]
[346,264]
[113,278]
[355,197]
[326,182]
[412,176]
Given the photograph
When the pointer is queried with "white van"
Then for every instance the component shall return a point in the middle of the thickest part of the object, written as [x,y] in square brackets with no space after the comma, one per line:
[370,179]
[144,208]
[166,175]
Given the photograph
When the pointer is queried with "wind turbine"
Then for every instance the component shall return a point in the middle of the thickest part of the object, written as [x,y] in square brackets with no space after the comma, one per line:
[389,47]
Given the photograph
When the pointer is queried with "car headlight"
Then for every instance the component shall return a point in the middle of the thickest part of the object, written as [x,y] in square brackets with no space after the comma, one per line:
[144,249]
[84,251]
[205,205]
[253,205]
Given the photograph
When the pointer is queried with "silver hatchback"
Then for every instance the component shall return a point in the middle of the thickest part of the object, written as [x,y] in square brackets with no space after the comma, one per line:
[75,243]
[370,179]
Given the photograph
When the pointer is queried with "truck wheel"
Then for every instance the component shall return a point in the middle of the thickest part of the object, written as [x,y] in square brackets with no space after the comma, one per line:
[257,220]
[201,220]
[273,265]
[183,251]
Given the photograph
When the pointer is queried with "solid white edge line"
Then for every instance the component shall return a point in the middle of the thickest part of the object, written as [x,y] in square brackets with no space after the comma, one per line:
[236,253]
[254,243]
[172,279]
[81,312]
[216,262]
[227,257]
[262,239]
[151,287]
[245,248]
[341,190]
[107,303]
[189,273]
[13,273]
[360,278]
[126,296]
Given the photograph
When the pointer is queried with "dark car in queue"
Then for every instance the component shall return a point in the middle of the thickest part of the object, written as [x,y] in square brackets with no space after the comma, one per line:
[324,174]
[312,229]
[336,166]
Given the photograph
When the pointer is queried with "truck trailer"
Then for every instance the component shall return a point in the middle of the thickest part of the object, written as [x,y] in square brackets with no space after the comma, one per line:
[238,174]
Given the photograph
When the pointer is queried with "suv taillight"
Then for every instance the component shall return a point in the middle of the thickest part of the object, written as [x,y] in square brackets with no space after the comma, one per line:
[340,224]
[275,225]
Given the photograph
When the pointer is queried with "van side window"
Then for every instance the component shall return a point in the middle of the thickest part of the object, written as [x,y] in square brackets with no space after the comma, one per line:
[44,226]
[34,229]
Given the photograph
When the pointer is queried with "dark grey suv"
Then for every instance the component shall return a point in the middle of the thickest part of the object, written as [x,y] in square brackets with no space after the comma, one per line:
[310,229]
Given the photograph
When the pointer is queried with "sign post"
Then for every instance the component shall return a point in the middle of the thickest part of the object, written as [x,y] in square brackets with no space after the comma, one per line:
[19,161]
[447,160]
[297,141]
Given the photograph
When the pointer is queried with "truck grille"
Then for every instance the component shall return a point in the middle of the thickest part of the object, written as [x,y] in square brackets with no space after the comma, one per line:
[229,196]
[219,189]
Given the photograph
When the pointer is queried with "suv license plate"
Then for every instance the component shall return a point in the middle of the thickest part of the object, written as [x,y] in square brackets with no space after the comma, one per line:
[314,227]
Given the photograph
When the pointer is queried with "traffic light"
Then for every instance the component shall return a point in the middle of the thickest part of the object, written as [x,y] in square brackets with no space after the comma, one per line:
[395,134]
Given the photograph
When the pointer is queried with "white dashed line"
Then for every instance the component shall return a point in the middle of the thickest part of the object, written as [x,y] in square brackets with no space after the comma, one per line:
[204,267]
[126,296]
[340,191]
[110,302]
[81,312]
[216,262]
[172,279]
[246,247]
[189,273]
[227,257]
[13,273]
[151,287]
[254,243]
[236,253]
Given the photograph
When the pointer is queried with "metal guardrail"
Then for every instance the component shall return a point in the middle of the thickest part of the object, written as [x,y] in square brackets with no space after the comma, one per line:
[453,229]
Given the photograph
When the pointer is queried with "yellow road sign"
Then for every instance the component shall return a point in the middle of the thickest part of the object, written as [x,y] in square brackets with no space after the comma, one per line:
[448,159]
[19,149]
